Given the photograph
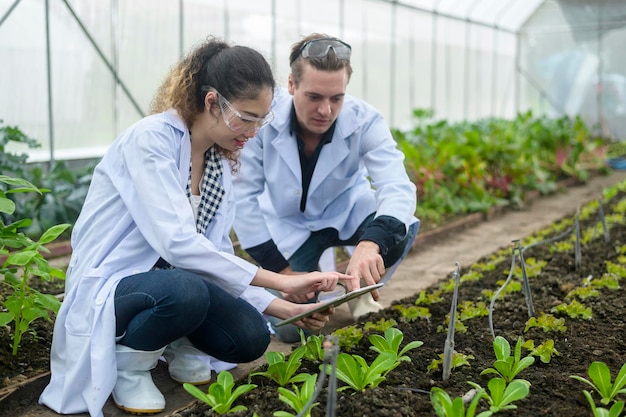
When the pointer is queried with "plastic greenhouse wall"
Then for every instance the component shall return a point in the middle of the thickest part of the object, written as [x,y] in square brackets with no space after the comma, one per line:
[75,73]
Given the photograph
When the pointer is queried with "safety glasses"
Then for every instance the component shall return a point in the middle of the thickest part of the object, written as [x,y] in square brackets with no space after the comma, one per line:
[236,121]
[318,48]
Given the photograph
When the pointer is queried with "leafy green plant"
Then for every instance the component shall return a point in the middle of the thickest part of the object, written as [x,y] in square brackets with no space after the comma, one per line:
[583,293]
[412,313]
[24,260]
[282,370]
[424,298]
[614,411]
[381,325]
[506,365]
[312,346]
[600,376]
[358,375]
[220,395]
[349,336]
[391,343]
[298,398]
[445,406]
[502,394]
[458,359]
[468,310]
[545,351]
[546,322]
[574,310]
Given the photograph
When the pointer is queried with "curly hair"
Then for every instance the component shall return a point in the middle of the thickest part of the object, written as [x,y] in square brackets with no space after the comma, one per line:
[237,72]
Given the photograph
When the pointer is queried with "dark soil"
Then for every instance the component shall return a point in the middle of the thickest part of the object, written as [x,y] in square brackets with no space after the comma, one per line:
[553,393]
[405,391]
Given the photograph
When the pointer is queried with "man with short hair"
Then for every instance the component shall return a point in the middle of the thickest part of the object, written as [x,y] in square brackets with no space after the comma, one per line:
[325,172]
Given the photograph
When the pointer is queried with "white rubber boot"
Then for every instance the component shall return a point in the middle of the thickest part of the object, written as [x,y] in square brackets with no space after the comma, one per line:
[363,305]
[186,363]
[134,390]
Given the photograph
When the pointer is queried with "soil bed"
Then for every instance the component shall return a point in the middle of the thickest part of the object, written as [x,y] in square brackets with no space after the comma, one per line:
[552,391]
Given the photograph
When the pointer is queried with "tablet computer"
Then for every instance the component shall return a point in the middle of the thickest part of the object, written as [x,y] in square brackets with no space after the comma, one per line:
[332,302]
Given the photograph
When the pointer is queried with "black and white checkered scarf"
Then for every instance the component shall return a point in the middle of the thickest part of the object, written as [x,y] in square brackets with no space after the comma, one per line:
[211,191]
[211,194]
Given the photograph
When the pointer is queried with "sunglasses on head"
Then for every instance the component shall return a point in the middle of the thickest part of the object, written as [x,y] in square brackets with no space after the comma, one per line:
[318,48]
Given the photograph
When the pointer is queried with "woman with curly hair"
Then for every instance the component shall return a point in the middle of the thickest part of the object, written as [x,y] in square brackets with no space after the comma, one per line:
[153,271]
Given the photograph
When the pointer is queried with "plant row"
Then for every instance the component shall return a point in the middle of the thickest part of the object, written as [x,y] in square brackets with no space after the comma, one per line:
[298,391]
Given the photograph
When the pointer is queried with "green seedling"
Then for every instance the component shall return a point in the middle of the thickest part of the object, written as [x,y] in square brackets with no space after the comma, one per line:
[574,310]
[600,376]
[349,336]
[546,322]
[502,395]
[507,366]
[24,260]
[617,270]
[468,310]
[380,326]
[471,276]
[281,370]
[312,346]
[298,398]
[458,359]
[562,246]
[426,299]
[614,411]
[220,395]
[607,280]
[358,375]
[445,406]
[533,268]
[583,293]
[411,313]
[391,343]
[459,327]
[545,351]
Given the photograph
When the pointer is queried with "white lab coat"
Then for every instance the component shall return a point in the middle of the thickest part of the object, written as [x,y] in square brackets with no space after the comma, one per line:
[269,184]
[136,211]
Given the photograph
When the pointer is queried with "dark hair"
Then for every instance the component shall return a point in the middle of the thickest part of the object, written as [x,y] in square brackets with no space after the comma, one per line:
[330,62]
[237,72]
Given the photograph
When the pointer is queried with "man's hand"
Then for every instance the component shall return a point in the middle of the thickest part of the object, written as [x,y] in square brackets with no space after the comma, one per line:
[316,321]
[367,265]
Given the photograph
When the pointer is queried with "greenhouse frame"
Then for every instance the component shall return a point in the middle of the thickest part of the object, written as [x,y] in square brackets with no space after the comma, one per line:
[75,73]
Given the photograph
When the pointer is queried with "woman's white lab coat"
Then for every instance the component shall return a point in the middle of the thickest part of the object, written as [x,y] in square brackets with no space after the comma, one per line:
[136,211]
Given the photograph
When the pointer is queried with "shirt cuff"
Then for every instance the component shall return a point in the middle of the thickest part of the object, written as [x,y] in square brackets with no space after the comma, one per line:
[385,231]
[268,256]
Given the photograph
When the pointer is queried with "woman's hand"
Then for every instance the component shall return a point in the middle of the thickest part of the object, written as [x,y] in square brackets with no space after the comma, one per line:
[284,309]
[316,321]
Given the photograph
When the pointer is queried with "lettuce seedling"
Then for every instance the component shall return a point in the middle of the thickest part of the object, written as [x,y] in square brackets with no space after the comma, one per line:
[601,381]
[220,396]
[545,351]
[508,366]
[298,398]
[283,371]
[391,343]
[358,375]
[312,346]
[445,406]
[614,411]
[501,394]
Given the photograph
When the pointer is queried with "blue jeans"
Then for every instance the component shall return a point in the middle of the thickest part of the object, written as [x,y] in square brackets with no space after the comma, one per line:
[155,308]
[307,257]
